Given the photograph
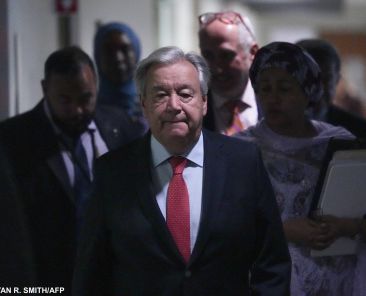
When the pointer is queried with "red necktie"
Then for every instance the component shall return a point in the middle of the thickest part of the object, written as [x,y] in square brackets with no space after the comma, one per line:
[235,125]
[178,208]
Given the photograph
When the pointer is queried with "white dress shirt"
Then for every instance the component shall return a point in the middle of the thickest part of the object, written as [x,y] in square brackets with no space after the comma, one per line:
[248,117]
[98,148]
[192,175]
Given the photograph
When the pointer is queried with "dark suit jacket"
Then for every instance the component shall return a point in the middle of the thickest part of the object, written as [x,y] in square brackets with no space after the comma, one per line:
[126,248]
[16,257]
[339,117]
[209,120]
[45,190]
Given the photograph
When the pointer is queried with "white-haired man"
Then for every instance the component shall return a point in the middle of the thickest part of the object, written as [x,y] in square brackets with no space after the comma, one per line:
[181,211]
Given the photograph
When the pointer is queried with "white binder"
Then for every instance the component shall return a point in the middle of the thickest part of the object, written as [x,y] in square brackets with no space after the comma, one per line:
[344,195]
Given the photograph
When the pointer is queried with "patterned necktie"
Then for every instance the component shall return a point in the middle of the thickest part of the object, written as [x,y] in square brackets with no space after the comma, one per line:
[235,124]
[178,208]
[82,181]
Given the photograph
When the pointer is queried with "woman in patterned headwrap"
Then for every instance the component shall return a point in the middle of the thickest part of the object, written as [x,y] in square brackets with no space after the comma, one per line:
[286,79]
[117,50]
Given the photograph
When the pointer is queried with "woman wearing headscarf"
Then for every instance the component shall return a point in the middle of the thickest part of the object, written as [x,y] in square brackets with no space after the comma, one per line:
[286,80]
[117,50]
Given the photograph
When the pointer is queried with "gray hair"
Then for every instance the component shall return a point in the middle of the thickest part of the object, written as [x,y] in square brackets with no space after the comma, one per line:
[167,56]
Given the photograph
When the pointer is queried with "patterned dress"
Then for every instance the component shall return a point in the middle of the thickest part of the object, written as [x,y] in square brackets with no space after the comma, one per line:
[360,273]
[293,165]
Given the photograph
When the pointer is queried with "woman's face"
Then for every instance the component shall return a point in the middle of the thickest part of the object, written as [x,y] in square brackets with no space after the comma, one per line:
[117,57]
[282,99]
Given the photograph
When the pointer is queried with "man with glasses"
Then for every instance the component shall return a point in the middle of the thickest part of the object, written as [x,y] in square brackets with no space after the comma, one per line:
[228,44]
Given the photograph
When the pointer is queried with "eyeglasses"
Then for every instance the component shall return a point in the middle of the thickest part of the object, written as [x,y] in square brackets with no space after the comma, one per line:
[228,17]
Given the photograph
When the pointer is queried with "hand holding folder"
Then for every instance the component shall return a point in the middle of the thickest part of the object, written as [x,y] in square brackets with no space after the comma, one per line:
[343,194]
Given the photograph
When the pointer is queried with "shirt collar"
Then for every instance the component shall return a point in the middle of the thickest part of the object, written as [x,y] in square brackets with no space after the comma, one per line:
[160,154]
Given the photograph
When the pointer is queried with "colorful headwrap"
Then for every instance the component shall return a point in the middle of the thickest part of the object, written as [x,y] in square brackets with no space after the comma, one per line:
[125,94]
[294,60]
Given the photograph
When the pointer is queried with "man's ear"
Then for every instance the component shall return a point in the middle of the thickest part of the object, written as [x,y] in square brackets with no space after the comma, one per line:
[253,50]
[204,98]
[338,79]
[142,101]
[143,106]
[44,87]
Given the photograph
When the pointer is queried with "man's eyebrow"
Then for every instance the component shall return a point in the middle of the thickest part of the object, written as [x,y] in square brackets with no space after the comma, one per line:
[163,87]
[185,86]
[158,87]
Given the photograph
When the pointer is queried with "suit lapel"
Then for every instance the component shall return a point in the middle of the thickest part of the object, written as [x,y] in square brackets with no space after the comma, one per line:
[56,164]
[213,189]
[147,198]
[214,174]
[48,149]
[209,118]
[110,133]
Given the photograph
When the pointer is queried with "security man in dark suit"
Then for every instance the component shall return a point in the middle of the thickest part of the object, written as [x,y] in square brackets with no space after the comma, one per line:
[329,61]
[181,211]
[52,149]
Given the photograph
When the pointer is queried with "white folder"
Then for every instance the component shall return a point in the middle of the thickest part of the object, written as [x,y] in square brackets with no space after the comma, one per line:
[344,195]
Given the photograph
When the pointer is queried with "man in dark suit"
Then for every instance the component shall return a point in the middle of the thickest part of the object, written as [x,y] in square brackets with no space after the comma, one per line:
[181,211]
[52,149]
[228,44]
[327,57]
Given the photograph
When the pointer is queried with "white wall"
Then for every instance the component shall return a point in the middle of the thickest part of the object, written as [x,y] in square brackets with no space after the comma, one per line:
[4,60]
[291,26]
[33,26]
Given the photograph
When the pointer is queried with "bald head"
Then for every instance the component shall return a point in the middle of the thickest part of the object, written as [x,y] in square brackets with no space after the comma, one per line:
[229,50]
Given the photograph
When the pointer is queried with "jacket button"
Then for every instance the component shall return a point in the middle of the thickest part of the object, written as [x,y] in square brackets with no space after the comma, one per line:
[188,274]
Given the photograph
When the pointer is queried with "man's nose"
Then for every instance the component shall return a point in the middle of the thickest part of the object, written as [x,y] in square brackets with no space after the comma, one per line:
[273,97]
[216,68]
[174,102]
[79,110]
[120,57]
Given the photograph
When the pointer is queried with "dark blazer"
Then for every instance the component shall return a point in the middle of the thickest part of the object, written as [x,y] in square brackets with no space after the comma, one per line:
[16,257]
[44,186]
[339,117]
[209,119]
[126,248]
